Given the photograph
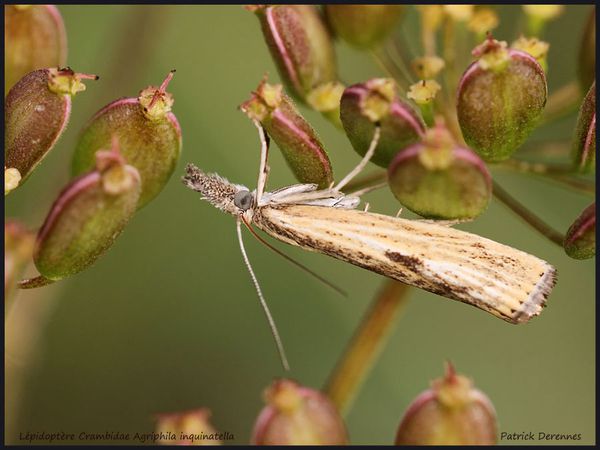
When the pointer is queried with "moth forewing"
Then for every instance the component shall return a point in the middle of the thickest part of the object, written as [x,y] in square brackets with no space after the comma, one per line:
[506,282]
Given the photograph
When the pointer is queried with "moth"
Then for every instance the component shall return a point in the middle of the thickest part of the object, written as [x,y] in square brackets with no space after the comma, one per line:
[508,283]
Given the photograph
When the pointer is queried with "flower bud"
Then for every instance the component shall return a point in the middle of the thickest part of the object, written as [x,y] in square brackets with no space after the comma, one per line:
[294,136]
[584,142]
[580,240]
[428,66]
[300,45]
[363,26]
[87,217]
[437,179]
[34,38]
[483,21]
[373,101]
[535,47]
[500,99]
[18,251]
[297,415]
[187,428]
[36,111]
[538,15]
[587,52]
[149,136]
[451,412]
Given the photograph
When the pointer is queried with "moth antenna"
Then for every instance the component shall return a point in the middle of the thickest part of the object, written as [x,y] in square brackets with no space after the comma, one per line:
[274,332]
[363,162]
[264,154]
[326,282]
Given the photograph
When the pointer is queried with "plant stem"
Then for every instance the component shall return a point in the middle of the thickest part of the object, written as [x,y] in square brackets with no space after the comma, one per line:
[562,102]
[522,211]
[366,344]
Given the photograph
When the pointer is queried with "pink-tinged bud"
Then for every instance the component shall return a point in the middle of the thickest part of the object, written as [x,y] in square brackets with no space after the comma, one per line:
[34,38]
[451,412]
[300,45]
[87,217]
[363,26]
[438,179]
[500,98]
[18,252]
[294,136]
[587,52]
[36,112]
[584,142]
[188,428]
[149,136]
[580,241]
[297,415]
[377,101]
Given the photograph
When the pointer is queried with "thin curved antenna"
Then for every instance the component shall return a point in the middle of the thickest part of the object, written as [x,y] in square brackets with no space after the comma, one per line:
[325,281]
[274,332]
[264,154]
[363,162]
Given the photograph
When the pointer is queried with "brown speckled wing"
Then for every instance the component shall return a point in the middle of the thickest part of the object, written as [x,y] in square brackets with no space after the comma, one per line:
[506,282]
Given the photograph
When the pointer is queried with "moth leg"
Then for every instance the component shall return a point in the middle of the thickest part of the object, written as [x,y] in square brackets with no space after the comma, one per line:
[367,207]
[263,170]
[399,212]
[363,162]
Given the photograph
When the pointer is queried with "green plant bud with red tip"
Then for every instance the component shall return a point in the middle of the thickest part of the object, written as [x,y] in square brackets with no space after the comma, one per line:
[500,98]
[18,252]
[297,415]
[451,412]
[363,26]
[149,136]
[36,112]
[584,143]
[294,136]
[187,428]
[440,180]
[377,101]
[34,38]
[580,241]
[300,45]
[587,52]
[87,217]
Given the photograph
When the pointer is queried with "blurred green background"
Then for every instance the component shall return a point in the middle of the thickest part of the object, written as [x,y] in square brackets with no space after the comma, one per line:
[168,319]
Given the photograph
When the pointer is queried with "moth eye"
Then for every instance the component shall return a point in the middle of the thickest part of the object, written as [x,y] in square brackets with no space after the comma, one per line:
[243,200]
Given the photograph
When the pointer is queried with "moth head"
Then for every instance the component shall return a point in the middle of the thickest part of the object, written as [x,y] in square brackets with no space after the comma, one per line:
[232,198]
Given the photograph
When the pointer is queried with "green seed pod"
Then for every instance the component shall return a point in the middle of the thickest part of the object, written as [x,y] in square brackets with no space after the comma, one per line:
[297,415]
[36,111]
[148,133]
[451,412]
[87,217]
[300,45]
[584,142]
[34,38]
[580,241]
[377,100]
[439,180]
[294,136]
[363,26]
[187,428]
[587,52]
[500,99]
[18,252]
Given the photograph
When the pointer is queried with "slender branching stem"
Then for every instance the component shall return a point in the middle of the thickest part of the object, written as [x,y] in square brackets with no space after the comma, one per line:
[365,346]
[525,214]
